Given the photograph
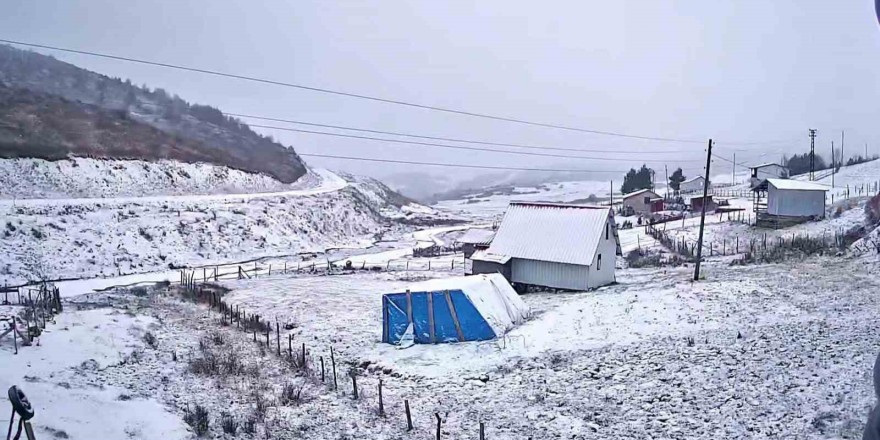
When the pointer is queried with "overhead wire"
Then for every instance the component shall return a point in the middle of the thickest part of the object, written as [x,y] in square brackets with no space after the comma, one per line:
[368,97]
[461,147]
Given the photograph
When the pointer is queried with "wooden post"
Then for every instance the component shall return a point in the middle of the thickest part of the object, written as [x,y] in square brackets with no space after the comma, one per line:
[409,310]
[285,268]
[267,334]
[703,215]
[454,315]
[482,431]
[14,333]
[409,425]
[437,415]
[333,364]
[290,347]
[270,270]
[322,369]
[381,404]
[354,384]
[430,317]
[303,355]
[278,337]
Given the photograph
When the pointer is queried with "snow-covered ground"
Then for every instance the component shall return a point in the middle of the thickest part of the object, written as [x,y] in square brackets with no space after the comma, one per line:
[74,238]
[77,178]
[764,351]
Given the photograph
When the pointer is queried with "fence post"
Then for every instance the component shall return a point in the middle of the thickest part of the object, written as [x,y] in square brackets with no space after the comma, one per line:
[437,415]
[278,337]
[409,425]
[354,384]
[322,369]
[482,431]
[333,363]
[381,404]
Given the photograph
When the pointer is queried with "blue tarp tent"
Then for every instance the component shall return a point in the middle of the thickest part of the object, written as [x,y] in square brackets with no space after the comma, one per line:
[457,309]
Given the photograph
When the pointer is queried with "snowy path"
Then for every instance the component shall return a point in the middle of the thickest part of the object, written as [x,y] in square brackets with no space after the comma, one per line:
[328,182]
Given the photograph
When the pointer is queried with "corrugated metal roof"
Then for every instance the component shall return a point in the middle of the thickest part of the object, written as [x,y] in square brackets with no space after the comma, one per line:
[550,232]
[693,179]
[635,193]
[476,236]
[797,185]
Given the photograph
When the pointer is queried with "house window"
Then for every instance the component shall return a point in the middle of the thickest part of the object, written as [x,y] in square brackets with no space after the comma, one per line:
[599,262]
[647,200]
[606,231]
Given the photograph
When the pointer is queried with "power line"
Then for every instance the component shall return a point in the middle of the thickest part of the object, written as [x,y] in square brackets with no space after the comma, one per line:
[365,97]
[441,164]
[459,147]
[448,139]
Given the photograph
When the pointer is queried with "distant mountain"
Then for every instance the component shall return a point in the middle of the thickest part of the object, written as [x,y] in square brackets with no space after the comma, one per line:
[102,108]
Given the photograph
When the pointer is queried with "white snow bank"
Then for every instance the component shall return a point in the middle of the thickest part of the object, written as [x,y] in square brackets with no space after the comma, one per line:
[491,294]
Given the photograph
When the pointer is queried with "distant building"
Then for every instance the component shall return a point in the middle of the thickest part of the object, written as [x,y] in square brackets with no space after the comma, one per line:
[560,246]
[643,201]
[474,240]
[693,185]
[767,171]
[780,202]
[697,203]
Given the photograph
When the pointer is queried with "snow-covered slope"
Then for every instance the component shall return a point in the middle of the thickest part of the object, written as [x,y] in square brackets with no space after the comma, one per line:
[60,238]
[87,178]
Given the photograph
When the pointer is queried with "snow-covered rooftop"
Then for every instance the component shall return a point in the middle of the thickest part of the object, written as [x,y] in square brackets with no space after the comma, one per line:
[693,179]
[477,236]
[641,191]
[797,185]
[768,164]
[550,232]
[490,258]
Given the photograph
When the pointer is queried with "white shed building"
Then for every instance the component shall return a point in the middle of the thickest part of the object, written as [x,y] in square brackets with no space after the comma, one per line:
[692,185]
[559,246]
[767,171]
[643,201]
[791,198]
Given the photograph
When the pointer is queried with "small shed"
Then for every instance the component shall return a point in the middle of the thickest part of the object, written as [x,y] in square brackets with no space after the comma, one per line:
[697,203]
[643,201]
[456,309]
[555,245]
[484,262]
[475,239]
[692,185]
[767,171]
[794,200]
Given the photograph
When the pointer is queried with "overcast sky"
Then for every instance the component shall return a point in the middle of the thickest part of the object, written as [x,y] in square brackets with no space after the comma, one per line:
[737,71]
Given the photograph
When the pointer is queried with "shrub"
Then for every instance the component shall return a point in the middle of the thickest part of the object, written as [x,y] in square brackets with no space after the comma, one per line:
[206,365]
[872,210]
[291,394]
[249,426]
[228,423]
[197,419]
[151,340]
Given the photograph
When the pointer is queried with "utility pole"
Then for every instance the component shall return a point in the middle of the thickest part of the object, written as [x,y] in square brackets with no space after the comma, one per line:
[666,167]
[833,168]
[703,213]
[866,151]
[812,152]
[611,195]
[841,147]
[733,177]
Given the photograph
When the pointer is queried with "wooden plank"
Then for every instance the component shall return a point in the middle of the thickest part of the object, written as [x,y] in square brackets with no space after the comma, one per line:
[385,319]
[431,317]
[409,316]
[454,316]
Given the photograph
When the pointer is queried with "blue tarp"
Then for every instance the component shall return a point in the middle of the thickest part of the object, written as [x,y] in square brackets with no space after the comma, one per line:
[394,318]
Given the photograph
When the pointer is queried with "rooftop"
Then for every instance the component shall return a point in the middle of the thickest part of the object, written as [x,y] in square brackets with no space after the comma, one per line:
[789,184]
[641,191]
[551,232]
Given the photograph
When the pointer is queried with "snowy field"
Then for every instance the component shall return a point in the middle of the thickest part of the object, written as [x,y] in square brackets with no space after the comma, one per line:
[765,351]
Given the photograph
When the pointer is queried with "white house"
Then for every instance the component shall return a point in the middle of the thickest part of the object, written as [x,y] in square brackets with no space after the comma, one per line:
[692,185]
[768,171]
[791,198]
[555,245]
[643,201]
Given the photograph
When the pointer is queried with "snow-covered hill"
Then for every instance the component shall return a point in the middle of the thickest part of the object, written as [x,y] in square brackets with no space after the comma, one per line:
[86,178]
[82,237]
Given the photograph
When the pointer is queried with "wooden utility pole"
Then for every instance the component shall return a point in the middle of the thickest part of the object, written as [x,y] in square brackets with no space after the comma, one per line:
[666,167]
[703,213]
[733,177]
[812,152]
[611,194]
[833,168]
[841,148]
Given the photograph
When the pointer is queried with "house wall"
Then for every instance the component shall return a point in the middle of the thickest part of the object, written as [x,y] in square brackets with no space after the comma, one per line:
[694,186]
[549,274]
[478,267]
[795,203]
[602,274]
[637,203]
[770,172]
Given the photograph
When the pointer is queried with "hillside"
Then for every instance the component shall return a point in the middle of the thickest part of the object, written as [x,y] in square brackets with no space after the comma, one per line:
[97,103]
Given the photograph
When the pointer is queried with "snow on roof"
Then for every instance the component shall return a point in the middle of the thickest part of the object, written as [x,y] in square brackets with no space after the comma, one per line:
[797,185]
[692,179]
[641,191]
[476,236]
[551,232]
[491,294]
[768,164]
[490,258]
